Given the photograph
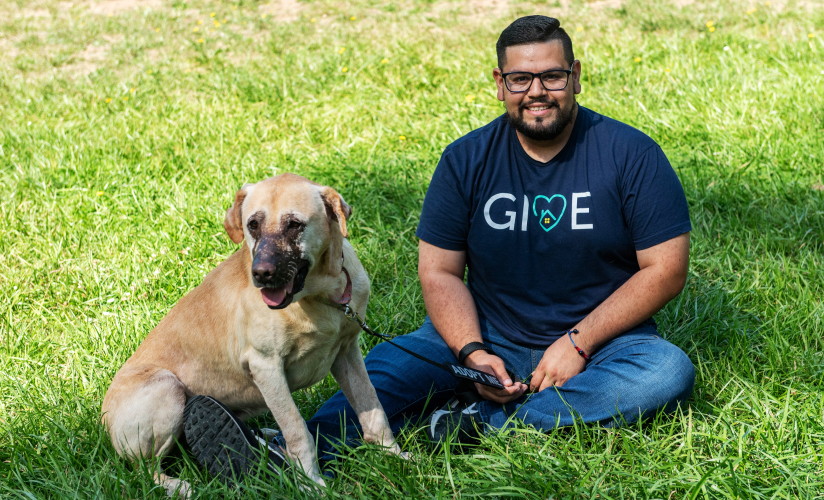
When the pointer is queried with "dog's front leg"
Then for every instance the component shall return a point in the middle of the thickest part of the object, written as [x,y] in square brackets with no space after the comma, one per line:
[270,378]
[350,372]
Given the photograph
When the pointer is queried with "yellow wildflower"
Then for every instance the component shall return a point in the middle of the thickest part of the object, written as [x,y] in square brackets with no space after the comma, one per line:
[108,100]
[353,18]
[200,40]
[637,59]
[99,193]
[384,60]
[469,98]
[212,14]
[401,137]
[344,69]
[341,50]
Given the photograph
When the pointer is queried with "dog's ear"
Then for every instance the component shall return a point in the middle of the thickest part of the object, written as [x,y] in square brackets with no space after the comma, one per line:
[336,209]
[233,222]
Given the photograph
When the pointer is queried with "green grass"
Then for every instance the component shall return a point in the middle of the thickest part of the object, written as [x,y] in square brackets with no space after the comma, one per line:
[126,128]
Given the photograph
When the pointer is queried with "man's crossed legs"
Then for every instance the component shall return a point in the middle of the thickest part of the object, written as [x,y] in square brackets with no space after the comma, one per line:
[634,375]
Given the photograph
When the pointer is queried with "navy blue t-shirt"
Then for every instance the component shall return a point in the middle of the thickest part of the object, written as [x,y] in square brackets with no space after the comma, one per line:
[546,243]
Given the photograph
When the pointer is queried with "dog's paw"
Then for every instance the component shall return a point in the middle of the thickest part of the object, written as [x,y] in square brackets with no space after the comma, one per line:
[175,488]
[314,490]
[394,449]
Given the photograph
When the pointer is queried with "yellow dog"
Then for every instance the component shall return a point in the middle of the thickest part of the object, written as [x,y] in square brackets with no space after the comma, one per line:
[259,327]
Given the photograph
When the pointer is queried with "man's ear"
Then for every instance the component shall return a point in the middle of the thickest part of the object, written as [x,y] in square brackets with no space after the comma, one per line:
[337,210]
[499,82]
[233,222]
[576,76]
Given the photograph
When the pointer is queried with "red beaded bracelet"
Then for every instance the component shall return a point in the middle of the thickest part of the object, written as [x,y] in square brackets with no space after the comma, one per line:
[580,351]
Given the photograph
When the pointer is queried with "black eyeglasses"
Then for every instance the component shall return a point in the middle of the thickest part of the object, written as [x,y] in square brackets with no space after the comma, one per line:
[553,79]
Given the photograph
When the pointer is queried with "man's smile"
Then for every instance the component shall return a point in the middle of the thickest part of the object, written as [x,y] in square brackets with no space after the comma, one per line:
[538,109]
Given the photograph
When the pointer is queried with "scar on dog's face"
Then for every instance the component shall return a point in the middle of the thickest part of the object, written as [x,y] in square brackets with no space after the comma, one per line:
[289,219]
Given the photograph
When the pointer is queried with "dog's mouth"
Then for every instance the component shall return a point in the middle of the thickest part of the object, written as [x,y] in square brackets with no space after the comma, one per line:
[281,296]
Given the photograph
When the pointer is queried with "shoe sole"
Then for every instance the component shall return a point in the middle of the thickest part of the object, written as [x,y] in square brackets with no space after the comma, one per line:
[451,422]
[219,441]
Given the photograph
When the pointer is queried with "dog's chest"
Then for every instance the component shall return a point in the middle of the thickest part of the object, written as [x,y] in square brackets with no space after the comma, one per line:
[309,353]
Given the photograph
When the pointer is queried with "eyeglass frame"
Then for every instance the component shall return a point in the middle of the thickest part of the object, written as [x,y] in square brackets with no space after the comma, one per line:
[538,76]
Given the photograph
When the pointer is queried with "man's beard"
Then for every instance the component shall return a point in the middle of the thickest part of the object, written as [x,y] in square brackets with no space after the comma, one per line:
[542,130]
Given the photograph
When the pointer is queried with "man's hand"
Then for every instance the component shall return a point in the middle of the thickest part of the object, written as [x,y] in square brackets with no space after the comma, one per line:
[559,363]
[661,276]
[489,363]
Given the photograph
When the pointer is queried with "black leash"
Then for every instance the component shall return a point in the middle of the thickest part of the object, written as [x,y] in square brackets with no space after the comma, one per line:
[458,371]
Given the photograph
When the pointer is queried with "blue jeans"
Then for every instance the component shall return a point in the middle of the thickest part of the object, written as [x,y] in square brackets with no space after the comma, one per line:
[634,375]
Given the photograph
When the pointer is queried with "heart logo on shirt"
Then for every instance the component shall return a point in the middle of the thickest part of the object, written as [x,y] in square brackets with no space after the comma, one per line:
[551,213]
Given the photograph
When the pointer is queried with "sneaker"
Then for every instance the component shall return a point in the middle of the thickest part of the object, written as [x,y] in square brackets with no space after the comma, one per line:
[222,444]
[455,419]
[273,437]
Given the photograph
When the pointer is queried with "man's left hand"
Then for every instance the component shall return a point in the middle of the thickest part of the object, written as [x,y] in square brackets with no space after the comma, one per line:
[559,363]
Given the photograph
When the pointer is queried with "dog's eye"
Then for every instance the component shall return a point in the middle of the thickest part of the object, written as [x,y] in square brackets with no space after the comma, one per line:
[253,225]
[295,225]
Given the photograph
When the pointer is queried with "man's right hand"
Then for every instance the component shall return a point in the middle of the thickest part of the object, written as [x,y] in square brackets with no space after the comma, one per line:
[492,364]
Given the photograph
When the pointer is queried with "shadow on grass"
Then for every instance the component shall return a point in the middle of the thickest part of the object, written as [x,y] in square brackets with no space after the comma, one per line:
[748,312]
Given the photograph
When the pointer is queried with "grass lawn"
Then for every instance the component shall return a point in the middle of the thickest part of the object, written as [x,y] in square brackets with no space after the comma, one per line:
[126,126]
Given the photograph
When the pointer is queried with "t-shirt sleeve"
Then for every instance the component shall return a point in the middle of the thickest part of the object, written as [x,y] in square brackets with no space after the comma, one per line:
[655,207]
[444,220]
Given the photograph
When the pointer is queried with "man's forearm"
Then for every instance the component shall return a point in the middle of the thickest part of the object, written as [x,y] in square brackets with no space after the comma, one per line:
[634,302]
[644,294]
[451,309]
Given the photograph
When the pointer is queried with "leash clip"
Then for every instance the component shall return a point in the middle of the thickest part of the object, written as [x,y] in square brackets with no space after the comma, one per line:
[349,312]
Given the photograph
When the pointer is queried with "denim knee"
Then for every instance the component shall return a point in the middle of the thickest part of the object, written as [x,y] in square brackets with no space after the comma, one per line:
[681,375]
[670,380]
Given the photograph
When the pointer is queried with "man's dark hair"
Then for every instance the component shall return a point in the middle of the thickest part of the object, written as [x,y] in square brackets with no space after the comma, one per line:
[533,29]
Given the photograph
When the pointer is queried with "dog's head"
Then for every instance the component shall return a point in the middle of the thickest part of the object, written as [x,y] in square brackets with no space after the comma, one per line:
[293,228]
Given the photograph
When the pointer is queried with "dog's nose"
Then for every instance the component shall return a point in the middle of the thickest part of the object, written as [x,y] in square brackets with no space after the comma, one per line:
[264,272]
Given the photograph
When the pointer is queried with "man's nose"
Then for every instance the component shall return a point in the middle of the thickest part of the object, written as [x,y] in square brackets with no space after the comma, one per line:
[536,88]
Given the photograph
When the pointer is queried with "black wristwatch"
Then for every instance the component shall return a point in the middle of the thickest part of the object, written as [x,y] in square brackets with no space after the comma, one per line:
[470,348]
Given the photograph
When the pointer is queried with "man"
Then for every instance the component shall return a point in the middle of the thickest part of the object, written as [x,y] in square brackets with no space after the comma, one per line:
[574,231]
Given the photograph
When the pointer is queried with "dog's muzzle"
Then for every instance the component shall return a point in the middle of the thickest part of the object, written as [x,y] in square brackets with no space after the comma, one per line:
[279,274]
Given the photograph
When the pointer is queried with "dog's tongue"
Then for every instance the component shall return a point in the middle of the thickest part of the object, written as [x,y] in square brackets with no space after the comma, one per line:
[274,297]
